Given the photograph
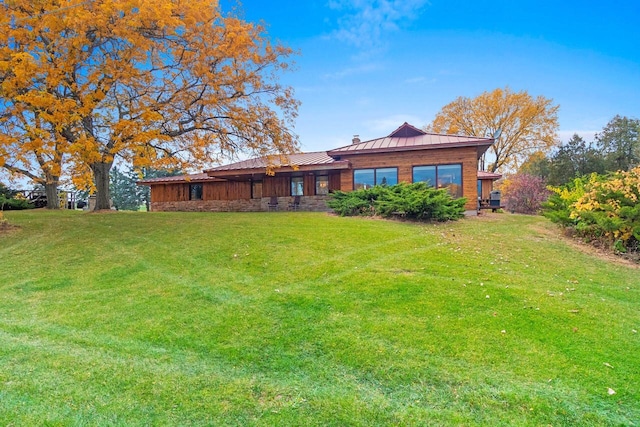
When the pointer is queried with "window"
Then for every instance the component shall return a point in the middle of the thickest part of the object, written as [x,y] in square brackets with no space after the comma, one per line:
[195,191]
[450,177]
[387,176]
[322,185]
[441,176]
[367,178]
[297,186]
[426,174]
[363,179]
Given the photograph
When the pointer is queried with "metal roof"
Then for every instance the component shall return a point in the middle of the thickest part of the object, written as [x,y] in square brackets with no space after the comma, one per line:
[196,177]
[404,138]
[298,161]
[421,142]
[489,175]
[406,130]
[408,138]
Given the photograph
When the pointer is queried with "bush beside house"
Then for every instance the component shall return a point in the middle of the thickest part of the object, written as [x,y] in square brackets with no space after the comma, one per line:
[415,201]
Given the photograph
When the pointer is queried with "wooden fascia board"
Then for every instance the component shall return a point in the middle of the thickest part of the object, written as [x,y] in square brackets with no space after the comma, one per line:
[177,181]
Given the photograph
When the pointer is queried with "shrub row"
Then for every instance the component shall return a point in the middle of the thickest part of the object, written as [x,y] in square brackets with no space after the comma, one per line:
[604,208]
[414,201]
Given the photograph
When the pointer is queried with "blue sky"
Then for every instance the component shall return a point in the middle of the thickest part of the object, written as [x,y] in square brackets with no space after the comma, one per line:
[365,67]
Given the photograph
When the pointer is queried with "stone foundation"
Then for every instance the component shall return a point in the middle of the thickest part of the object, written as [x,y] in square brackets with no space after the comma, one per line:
[307,203]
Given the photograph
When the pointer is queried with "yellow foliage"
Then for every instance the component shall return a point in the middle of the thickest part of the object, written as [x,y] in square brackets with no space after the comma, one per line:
[607,197]
[155,82]
[528,124]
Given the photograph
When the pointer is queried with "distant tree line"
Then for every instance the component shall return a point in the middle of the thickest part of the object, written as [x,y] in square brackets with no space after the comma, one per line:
[616,147]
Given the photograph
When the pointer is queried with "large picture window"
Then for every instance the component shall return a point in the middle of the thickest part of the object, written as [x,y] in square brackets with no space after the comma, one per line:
[297,186]
[425,174]
[363,179]
[387,176]
[441,176]
[367,178]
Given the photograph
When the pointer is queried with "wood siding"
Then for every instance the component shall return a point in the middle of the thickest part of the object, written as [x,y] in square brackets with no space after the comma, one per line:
[309,188]
[487,187]
[405,161]
[335,181]
[228,190]
[170,192]
[280,184]
[277,185]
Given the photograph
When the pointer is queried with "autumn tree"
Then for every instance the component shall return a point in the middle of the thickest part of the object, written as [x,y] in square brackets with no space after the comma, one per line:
[31,141]
[527,124]
[159,83]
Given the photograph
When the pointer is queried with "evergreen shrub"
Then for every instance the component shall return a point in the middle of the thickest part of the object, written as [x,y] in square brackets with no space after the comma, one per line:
[415,201]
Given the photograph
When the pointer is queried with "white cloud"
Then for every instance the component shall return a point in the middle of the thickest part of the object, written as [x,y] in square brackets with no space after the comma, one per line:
[365,22]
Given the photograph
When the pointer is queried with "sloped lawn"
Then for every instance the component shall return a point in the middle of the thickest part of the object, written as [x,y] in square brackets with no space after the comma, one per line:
[310,319]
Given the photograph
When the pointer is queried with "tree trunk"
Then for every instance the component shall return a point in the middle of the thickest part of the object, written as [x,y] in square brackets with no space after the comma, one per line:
[101,181]
[51,190]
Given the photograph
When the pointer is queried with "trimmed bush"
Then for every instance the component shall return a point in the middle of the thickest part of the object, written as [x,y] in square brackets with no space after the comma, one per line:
[413,201]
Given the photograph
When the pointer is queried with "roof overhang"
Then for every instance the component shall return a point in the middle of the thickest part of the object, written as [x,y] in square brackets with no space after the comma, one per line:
[238,173]
[180,179]
[489,175]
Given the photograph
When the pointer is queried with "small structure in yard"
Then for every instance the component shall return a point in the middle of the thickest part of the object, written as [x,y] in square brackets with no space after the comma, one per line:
[487,197]
[38,198]
[303,181]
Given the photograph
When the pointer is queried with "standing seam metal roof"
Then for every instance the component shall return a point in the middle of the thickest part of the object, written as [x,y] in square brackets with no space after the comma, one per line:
[413,142]
[296,159]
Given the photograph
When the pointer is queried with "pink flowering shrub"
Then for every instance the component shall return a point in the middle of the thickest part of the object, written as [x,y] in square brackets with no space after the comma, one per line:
[524,193]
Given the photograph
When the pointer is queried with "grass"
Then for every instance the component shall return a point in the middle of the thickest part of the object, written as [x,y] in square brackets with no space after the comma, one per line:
[308,319]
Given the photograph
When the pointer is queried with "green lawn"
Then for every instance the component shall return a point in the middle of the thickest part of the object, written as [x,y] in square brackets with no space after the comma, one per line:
[309,319]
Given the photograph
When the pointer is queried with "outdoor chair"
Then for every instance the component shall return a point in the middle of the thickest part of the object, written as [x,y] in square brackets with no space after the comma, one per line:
[273,203]
[294,204]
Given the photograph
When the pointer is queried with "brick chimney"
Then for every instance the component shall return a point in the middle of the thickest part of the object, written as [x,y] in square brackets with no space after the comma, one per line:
[356,139]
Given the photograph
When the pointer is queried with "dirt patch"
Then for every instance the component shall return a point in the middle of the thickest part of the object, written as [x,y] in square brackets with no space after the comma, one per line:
[6,228]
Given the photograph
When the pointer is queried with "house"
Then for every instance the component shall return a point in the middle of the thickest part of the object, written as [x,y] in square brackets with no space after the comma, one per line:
[408,154]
